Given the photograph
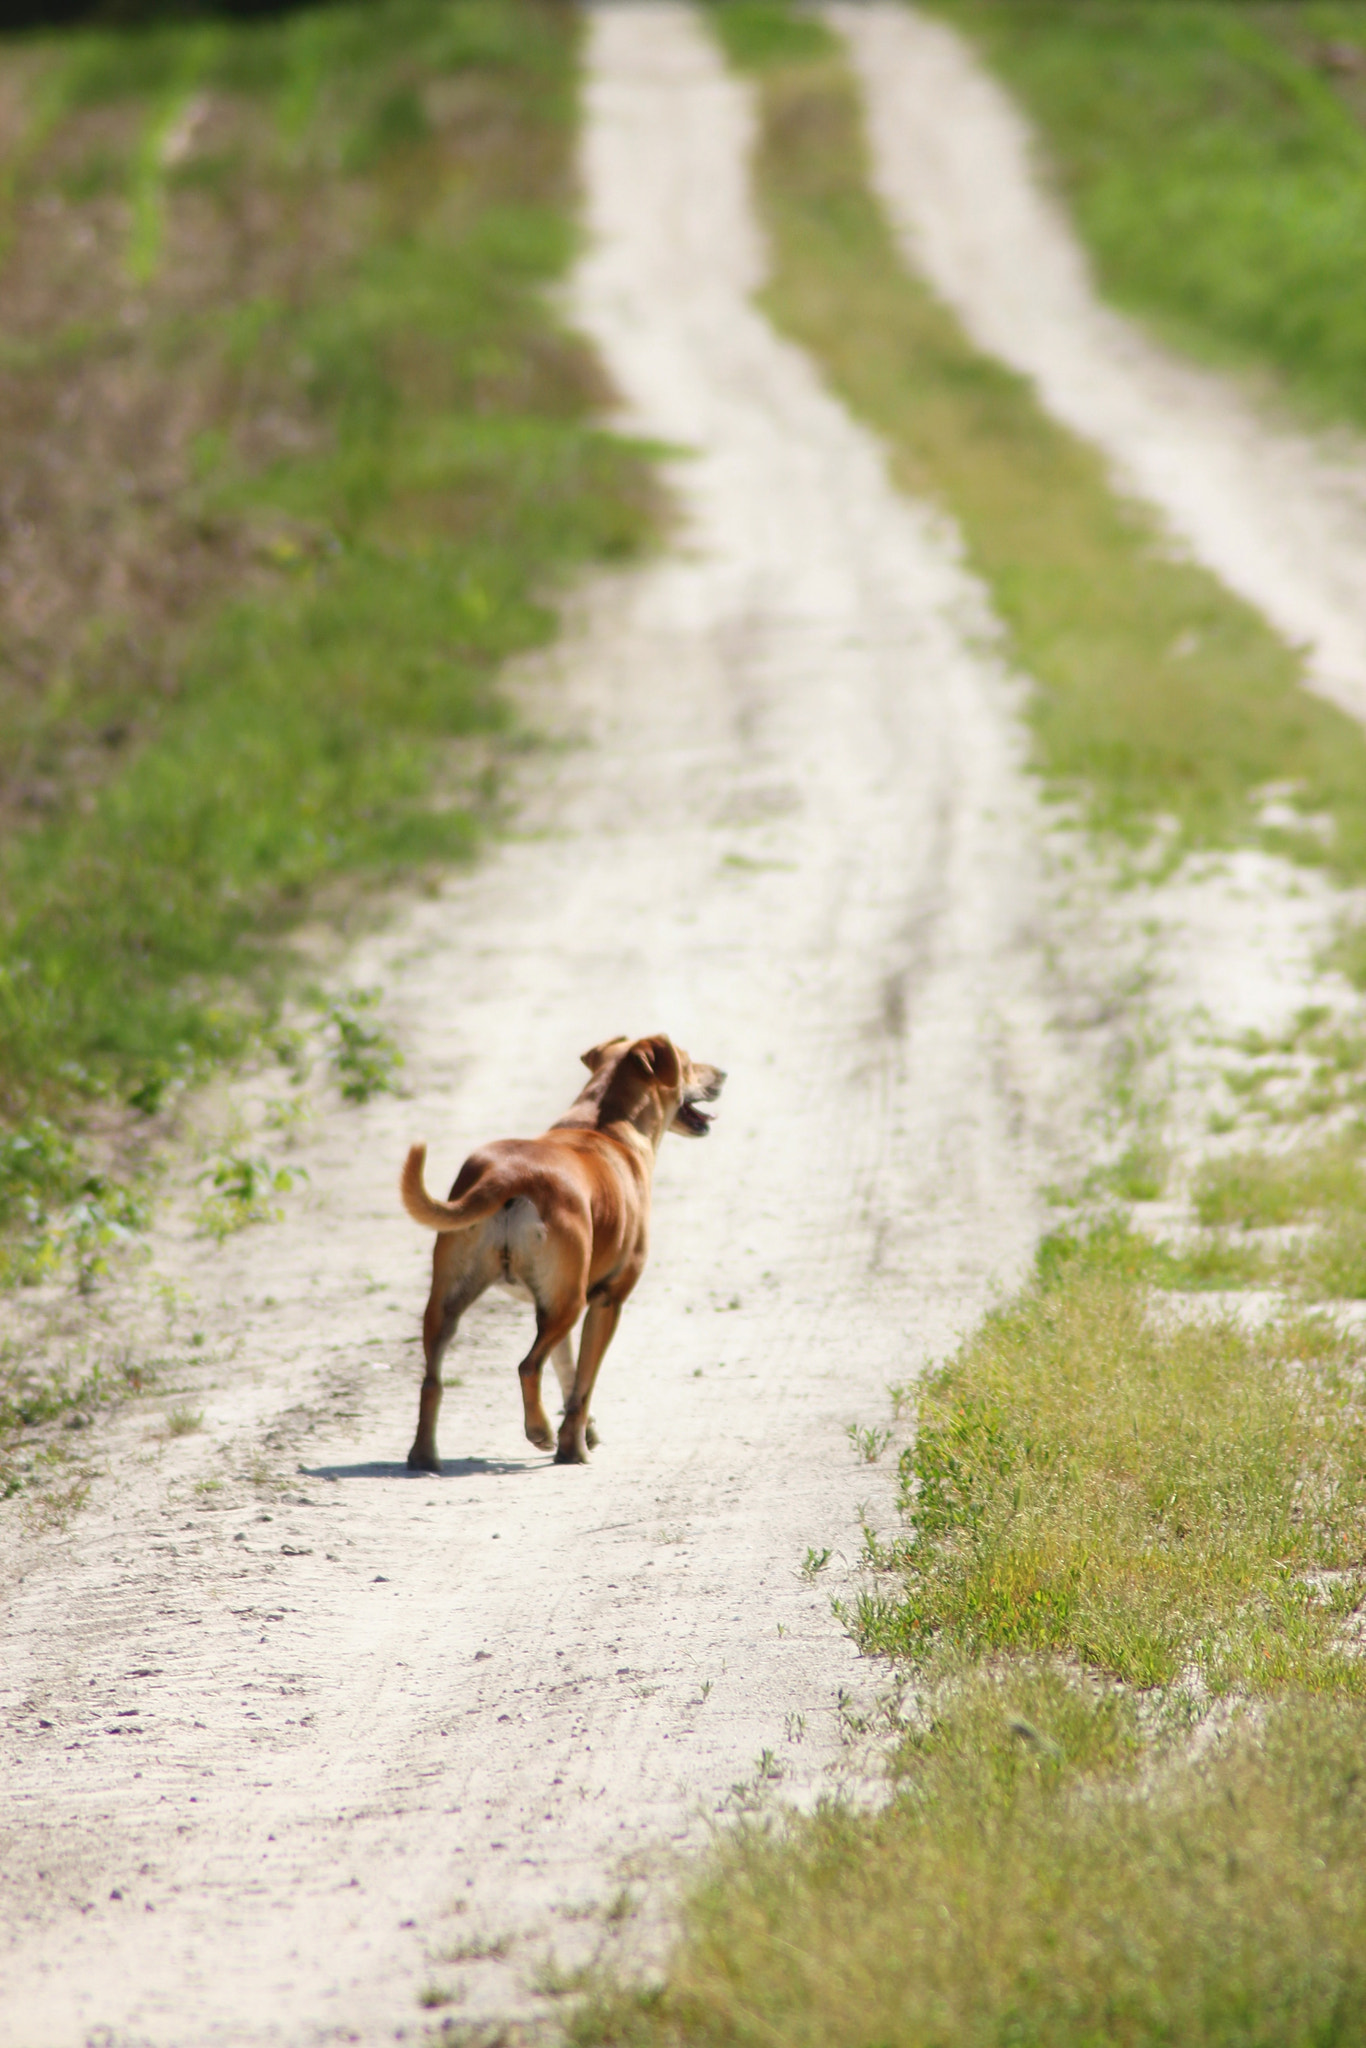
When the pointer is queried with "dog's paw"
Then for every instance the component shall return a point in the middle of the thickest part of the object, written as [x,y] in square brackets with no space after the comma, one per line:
[544,1438]
[591,1437]
[423,1461]
[570,1453]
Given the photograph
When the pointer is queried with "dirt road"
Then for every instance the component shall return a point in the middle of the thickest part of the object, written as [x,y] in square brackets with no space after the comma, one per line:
[277,1753]
[1278,514]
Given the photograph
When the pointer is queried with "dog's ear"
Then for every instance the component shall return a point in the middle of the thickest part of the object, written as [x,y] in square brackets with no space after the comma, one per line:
[596,1054]
[659,1057]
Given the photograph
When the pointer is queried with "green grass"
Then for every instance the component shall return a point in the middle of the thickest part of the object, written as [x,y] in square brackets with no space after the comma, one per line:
[1025,1888]
[1156,695]
[1140,1173]
[1215,166]
[1095,1479]
[310,625]
[1256,1189]
[1309,1080]
[1107,1242]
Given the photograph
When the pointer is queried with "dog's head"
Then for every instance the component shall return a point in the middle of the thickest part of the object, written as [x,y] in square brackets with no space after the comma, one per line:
[652,1084]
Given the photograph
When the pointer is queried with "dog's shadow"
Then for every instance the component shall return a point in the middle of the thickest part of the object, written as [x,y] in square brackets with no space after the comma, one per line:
[451,1468]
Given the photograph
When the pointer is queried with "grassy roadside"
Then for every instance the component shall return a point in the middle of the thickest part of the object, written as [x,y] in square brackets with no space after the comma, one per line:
[296,453]
[1160,700]
[1213,155]
[1132,1547]
[1014,1894]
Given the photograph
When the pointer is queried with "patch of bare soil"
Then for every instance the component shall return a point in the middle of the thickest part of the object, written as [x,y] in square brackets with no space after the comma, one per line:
[293,1739]
[111,391]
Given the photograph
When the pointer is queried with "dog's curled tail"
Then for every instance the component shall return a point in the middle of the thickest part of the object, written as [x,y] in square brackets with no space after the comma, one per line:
[472,1207]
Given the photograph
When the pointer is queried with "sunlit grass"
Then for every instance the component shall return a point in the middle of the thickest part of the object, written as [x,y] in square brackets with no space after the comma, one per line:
[1155,694]
[1026,1886]
[1257,1189]
[1214,159]
[1096,1478]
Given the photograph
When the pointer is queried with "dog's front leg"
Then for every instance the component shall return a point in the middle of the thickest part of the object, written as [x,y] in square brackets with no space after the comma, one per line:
[598,1327]
[563,1361]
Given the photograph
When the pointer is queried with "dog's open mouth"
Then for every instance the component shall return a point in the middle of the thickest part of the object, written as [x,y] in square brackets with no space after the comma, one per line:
[693,1119]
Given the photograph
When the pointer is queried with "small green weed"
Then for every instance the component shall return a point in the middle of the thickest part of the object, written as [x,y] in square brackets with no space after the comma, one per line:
[184,1421]
[815,1562]
[1140,1173]
[38,1388]
[478,1948]
[287,1113]
[105,1217]
[432,1996]
[39,1165]
[365,1060]
[244,1187]
[868,1443]
[55,1212]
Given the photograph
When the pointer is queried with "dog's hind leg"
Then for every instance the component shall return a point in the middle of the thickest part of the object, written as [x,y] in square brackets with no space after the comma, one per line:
[577,1435]
[553,1325]
[452,1293]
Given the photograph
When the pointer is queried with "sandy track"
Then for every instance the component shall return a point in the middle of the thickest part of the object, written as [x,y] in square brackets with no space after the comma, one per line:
[263,1745]
[1281,517]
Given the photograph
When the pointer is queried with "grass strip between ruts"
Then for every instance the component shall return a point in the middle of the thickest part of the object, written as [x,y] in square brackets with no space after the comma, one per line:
[1157,695]
[1111,1510]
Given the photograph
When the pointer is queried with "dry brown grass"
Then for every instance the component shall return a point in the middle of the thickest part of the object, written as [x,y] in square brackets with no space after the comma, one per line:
[296,456]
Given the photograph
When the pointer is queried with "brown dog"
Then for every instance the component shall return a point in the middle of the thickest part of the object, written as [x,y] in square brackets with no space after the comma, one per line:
[565,1219]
